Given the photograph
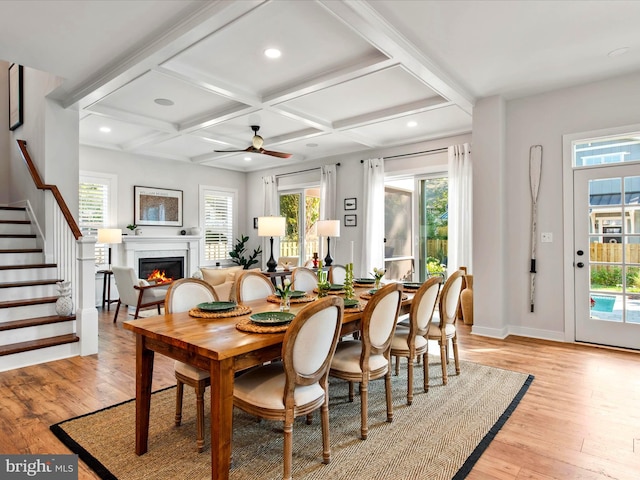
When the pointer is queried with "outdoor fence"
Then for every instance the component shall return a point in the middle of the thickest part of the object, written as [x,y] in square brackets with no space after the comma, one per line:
[612,252]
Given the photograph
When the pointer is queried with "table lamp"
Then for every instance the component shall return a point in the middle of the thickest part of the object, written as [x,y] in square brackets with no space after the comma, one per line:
[271,227]
[109,236]
[328,228]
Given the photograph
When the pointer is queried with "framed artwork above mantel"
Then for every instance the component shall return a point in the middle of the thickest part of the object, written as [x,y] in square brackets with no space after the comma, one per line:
[160,207]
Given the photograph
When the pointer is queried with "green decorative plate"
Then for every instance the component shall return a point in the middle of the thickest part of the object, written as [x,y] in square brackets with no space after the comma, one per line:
[217,306]
[351,303]
[293,293]
[336,286]
[365,280]
[272,318]
[373,291]
[412,285]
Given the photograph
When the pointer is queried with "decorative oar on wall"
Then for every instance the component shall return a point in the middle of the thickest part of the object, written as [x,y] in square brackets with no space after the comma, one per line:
[535,170]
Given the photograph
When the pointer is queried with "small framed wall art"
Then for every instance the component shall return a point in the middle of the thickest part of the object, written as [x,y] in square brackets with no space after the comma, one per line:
[350,203]
[15,96]
[350,220]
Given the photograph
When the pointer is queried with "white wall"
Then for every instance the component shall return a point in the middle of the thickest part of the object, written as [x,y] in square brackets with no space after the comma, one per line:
[152,172]
[350,181]
[541,119]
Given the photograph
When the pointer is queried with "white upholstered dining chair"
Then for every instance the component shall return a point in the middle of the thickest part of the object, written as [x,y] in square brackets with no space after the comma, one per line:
[182,296]
[304,279]
[298,384]
[368,358]
[443,326]
[411,342]
[251,285]
[337,274]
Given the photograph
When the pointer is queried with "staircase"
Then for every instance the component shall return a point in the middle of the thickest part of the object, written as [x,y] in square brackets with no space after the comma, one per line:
[30,330]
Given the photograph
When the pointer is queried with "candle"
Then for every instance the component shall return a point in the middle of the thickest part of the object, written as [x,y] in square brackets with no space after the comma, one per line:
[352,251]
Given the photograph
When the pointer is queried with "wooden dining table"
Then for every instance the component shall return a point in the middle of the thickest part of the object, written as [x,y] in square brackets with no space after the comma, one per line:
[216,346]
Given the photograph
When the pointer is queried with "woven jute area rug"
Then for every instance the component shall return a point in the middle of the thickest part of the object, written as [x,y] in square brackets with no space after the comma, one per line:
[440,436]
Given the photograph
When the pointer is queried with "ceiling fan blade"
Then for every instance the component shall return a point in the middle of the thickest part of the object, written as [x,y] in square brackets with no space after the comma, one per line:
[275,154]
[248,149]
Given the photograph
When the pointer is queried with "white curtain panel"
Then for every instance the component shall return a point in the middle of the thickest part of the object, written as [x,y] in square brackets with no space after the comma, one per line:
[373,222]
[460,213]
[271,208]
[328,192]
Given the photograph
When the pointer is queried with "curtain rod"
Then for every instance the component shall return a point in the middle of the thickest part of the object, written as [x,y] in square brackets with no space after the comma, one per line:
[301,171]
[435,150]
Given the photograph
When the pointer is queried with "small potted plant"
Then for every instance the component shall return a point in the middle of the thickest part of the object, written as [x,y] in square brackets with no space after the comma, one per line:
[378,273]
[237,254]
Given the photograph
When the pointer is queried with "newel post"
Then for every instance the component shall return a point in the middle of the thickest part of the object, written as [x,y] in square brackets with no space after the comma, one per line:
[86,313]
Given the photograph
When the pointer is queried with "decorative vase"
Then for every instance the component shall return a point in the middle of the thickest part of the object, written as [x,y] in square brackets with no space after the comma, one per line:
[377,285]
[284,303]
[138,231]
[64,304]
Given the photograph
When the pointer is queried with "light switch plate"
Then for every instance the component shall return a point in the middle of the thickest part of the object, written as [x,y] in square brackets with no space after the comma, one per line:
[546,237]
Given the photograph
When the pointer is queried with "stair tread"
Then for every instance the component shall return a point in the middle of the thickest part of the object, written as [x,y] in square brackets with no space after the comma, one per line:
[21,250]
[36,344]
[23,209]
[30,301]
[30,265]
[30,283]
[36,321]
[17,235]
[15,222]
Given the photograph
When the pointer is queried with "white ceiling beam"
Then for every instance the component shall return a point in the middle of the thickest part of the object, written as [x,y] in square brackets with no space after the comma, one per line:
[359,16]
[133,118]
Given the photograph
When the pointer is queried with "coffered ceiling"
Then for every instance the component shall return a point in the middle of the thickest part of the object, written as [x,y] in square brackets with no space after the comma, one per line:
[352,75]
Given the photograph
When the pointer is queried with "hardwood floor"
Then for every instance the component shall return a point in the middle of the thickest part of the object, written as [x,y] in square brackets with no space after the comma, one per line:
[579,419]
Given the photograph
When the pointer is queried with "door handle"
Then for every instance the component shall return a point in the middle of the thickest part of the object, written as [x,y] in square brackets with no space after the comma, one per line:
[579,264]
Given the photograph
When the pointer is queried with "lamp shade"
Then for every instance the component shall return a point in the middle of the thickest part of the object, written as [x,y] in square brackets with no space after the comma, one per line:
[328,228]
[271,226]
[109,235]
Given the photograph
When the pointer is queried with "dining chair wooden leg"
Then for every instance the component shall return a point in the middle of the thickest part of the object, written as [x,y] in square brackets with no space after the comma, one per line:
[425,371]
[364,400]
[387,387]
[324,420]
[179,394]
[309,418]
[288,448]
[200,388]
[409,381]
[443,360]
[456,360]
[397,365]
[351,393]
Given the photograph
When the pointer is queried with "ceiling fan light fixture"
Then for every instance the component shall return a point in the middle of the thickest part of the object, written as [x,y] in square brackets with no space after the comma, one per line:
[257,142]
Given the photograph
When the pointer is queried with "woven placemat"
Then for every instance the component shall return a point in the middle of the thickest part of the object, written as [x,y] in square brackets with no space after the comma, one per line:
[304,299]
[367,296]
[236,312]
[246,325]
[331,292]
[363,285]
[357,308]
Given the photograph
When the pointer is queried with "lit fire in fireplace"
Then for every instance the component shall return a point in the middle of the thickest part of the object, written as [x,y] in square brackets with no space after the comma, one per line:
[158,276]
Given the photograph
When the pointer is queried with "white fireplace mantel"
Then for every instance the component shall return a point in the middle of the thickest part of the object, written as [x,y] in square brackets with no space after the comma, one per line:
[145,246]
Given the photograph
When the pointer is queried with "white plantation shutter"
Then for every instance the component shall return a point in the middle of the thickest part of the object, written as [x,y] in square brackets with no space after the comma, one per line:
[96,208]
[218,224]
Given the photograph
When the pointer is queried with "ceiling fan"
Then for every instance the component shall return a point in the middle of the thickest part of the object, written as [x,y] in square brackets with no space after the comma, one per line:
[256,146]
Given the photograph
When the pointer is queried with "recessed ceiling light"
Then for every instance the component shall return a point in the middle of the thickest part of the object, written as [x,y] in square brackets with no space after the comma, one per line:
[105,129]
[247,159]
[312,145]
[272,53]
[165,102]
[618,51]
[412,124]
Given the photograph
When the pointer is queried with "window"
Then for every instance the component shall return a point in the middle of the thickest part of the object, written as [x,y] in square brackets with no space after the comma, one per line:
[97,207]
[219,219]
[302,211]
[398,236]
[600,151]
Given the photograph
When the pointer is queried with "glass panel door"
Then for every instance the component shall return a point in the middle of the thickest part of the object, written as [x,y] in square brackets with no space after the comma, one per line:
[433,226]
[302,210]
[607,255]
